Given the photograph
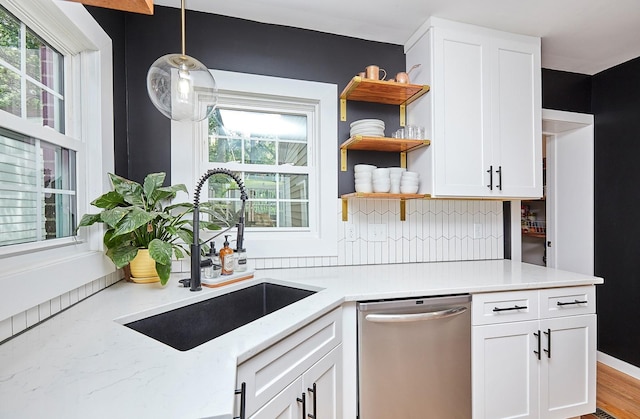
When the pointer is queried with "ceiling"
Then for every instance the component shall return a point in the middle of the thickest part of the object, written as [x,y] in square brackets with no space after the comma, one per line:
[581,36]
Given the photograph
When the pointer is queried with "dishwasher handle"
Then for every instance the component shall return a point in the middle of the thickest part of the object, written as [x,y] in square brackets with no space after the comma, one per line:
[415,317]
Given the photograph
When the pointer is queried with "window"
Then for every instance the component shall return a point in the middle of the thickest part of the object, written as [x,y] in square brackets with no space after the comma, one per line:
[37,176]
[56,147]
[279,136]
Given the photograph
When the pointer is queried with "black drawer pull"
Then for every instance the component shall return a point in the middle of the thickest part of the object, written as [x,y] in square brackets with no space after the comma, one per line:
[490,171]
[572,303]
[242,391]
[516,307]
[537,335]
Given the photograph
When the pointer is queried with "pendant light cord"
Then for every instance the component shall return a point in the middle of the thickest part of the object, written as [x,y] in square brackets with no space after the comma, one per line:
[183,31]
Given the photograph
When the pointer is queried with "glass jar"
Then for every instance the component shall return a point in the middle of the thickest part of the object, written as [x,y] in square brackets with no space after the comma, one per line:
[241,260]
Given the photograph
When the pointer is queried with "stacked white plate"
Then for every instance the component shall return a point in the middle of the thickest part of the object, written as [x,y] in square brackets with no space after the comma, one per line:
[368,128]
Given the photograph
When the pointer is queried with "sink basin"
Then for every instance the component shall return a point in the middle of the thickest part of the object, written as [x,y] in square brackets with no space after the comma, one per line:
[186,327]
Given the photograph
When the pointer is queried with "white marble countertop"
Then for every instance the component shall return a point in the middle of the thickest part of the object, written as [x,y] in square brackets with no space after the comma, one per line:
[83,363]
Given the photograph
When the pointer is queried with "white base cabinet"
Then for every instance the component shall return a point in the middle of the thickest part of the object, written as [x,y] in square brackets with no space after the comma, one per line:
[300,374]
[316,393]
[542,368]
[483,113]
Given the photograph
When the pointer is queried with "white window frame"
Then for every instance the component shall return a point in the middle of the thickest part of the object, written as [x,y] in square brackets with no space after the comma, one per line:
[189,147]
[36,272]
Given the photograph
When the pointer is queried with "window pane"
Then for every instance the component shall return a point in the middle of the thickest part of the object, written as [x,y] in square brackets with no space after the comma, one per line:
[37,190]
[59,167]
[44,108]
[10,96]
[261,214]
[292,153]
[294,186]
[223,150]
[294,214]
[260,185]
[59,215]
[43,62]
[9,38]
[260,152]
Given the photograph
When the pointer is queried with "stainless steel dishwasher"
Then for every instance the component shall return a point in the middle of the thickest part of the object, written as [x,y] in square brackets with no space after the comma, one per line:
[414,358]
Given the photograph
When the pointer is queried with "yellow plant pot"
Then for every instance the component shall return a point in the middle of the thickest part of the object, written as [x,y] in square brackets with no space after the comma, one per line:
[143,268]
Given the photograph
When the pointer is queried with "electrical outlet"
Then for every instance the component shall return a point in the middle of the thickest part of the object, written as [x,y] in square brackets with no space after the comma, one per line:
[350,232]
[377,232]
[477,231]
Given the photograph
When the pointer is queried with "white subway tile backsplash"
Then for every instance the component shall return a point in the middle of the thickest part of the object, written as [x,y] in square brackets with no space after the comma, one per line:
[13,325]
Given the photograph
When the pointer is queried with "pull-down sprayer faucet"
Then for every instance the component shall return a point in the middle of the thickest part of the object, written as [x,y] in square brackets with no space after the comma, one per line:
[196,284]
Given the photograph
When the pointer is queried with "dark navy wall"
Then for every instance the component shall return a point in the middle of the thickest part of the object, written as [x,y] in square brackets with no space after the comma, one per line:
[616,105]
[231,44]
[565,91]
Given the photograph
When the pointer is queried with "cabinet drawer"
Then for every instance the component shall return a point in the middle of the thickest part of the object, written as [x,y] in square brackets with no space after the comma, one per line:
[570,301]
[273,369]
[501,307]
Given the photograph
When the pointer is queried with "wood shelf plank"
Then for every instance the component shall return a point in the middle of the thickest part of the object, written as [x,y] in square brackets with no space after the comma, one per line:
[381,91]
[393,145]
[379,195]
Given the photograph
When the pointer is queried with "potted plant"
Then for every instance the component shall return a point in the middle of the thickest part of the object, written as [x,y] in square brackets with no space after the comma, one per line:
[138,223]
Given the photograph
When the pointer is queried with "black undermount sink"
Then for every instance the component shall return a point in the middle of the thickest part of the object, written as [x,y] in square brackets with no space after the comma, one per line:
[186,327]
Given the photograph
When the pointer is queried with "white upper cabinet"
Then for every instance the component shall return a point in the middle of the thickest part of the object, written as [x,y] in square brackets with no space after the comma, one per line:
[483,113]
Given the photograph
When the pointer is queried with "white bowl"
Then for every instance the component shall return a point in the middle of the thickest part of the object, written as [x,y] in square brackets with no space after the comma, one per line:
[364,184]
[363,168]
[381,183]
[364,188]
[397,176]
[410,175]
[379,188]
[408,189]
[407,183]
[362,176]
[381,171]
[396,170]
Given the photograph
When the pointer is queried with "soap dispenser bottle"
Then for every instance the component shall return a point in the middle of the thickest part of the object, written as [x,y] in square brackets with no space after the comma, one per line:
[227,259]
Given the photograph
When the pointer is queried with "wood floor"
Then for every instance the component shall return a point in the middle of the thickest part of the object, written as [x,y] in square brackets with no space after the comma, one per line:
[617,394]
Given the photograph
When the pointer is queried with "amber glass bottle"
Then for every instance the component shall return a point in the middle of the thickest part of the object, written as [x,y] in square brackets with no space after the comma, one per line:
[226,258]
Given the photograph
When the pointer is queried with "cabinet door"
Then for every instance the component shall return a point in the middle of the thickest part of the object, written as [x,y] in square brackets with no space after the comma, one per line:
[462,146]
[505,370]
[568,370]
[324,401]
[285,405]
[516,118]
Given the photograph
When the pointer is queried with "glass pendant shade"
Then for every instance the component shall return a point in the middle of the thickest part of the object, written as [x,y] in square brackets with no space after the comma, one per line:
[182,88]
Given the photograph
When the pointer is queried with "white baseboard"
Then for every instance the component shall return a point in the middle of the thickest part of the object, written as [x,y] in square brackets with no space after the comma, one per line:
[619,365]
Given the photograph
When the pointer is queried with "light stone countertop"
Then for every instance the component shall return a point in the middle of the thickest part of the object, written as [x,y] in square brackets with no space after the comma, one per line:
[83,363]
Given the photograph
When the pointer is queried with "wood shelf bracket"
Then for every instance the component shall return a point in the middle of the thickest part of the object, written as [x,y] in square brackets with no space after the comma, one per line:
[345,209]
[343,109]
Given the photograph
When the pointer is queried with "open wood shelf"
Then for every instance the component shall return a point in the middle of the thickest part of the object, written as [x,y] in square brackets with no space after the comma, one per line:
[381,91]
[399,196]
[393,145]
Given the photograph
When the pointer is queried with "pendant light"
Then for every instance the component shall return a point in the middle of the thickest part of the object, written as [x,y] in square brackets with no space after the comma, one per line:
[181,87]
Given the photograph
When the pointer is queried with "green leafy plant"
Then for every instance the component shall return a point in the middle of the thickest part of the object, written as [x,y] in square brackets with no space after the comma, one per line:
[136,218]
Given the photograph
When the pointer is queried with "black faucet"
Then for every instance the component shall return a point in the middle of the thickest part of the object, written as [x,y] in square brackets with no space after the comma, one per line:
[196,283]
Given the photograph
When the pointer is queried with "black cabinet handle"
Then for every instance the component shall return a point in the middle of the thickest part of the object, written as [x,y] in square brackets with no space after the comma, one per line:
[315,402]
[572,303]
[304,406]
[516,307]
[242,391]
[490,171]
[548,350]
[537,335]
[499,172]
